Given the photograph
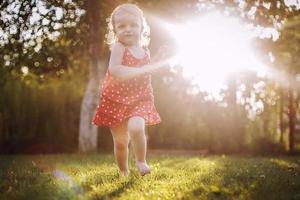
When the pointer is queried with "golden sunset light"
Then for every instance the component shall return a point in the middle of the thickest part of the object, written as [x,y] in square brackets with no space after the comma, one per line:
[212,47]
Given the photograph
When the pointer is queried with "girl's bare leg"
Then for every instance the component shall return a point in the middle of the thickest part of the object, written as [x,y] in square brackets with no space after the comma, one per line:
[136,129]
[121,140]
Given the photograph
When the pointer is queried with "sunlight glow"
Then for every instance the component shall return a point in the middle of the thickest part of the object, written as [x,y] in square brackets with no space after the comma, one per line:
[295,3]
[213,47]
[25,70]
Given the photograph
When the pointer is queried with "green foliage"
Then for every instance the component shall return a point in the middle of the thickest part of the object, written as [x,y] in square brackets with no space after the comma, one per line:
[287,47]
[191,121]
[40,114]
[28,26]
[88,176]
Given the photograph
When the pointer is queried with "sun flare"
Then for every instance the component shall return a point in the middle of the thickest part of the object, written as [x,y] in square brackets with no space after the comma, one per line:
[211,48]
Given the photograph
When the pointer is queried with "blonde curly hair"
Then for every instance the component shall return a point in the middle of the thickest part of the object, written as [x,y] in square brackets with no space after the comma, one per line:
[134,10]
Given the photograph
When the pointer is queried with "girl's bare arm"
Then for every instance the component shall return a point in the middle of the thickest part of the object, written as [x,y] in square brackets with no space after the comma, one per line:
[123,72]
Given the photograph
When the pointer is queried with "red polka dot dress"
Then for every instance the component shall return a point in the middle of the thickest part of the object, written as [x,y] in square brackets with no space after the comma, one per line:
[122,100]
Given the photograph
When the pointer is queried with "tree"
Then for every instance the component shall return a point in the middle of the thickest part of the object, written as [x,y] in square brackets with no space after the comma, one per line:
[33,31]
[95,20]
[272,14]
[287,51]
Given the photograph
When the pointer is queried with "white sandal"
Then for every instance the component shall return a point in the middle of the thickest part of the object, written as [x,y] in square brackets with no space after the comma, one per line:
[143,168]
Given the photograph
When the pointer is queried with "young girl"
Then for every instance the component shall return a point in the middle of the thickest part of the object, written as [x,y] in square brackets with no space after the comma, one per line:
[127,102]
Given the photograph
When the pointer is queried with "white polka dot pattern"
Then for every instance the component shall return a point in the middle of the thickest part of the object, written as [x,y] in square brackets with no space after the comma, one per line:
[133,97]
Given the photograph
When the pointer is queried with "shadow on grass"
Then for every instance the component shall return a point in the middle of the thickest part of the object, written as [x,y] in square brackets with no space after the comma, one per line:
[120,189]
[117,191]
[249,178]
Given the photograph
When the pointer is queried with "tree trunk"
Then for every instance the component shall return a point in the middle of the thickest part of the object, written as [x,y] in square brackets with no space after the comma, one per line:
[236,128]
[291,116]
[281,112]
[265,120]
[88,131]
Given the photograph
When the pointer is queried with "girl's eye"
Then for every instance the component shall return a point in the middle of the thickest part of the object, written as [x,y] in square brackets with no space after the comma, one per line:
[134,25]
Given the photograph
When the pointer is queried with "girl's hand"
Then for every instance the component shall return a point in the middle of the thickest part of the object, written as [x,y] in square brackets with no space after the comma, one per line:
[160,61]
[162,54]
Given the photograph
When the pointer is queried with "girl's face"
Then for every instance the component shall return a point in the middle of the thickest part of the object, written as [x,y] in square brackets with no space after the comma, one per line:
[128,28]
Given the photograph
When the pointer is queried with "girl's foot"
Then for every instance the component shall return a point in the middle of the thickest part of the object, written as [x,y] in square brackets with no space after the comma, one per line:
[124,173]
[143,168]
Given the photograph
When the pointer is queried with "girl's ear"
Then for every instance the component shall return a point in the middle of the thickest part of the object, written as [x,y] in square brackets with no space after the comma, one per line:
[113,24]
[113,28]
[142,29]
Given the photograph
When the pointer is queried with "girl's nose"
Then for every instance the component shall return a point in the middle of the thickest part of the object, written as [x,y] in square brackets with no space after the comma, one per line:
[128,28]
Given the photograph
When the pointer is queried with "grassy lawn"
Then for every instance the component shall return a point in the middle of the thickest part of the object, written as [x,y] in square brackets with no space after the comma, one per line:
[95,176]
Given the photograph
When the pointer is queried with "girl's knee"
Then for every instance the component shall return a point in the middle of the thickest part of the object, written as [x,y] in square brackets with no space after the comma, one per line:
[120,136]
[121,143]
[136,125]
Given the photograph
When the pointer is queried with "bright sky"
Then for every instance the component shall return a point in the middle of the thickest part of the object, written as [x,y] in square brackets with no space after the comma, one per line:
[213,47]
[292,3]
[31,34]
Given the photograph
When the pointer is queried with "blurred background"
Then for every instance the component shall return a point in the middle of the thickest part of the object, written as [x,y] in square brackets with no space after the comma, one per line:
[53,58]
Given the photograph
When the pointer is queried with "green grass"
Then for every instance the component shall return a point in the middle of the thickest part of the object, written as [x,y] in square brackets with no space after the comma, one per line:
[95,176]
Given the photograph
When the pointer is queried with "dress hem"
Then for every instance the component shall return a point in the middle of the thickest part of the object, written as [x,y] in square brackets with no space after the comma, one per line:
[115,124]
